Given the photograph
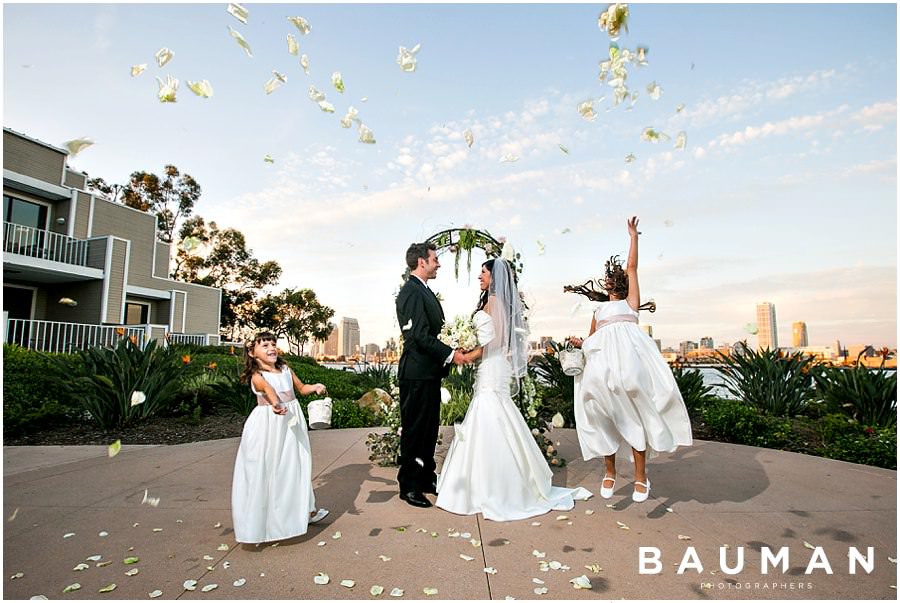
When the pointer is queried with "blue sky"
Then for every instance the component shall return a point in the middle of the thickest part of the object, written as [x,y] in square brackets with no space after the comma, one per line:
[786,191]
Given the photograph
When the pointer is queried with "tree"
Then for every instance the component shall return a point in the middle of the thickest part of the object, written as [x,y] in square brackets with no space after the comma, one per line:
[297,315]
[169,198]
[110,191]
[209,256]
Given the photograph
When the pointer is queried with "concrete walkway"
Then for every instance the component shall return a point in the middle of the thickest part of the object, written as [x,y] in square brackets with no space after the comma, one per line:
[707,497]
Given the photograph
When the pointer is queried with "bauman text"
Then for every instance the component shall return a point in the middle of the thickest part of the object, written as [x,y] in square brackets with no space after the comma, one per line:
[649,560]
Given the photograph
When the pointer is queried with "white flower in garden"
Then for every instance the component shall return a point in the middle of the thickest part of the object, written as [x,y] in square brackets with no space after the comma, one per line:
[138,398]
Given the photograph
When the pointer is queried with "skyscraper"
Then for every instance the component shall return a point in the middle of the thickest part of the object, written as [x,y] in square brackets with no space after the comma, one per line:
[348,337]
[706,343]
[765,322]
[799,336]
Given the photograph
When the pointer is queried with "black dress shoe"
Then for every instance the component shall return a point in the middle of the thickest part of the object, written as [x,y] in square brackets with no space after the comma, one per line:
[432,489]
[416,499]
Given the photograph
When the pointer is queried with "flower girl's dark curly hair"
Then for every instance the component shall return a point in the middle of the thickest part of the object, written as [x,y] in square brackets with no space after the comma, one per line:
[251,366]
[616,280]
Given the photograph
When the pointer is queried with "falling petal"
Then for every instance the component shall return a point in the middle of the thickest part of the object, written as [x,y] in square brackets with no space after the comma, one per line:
[622,525]
[348,583]
[155,594]
[681,141]
[751,328]
[337,81]
[510,158]
[218,524]
[490,570]
[555,565]
[641,56]
[68,535]
[384,557]
[588,511]
[321,578]
[679,108]
[293,46]
[208,557]
[326,106]
[103,534]
[470,138]
[136,70]
[238,12]
[561,517]
[202,88]
[564,149]
[581,582]
[558,420]
[108,588]
[351,116]
[274,82]
[80,567]
[652,135]
[669,510]
[239,582]
[14,513]
[130,560]
[190,243]
[654,90]
[163,56]
[668,223]
[167,89]
[268,159]
[103,564]
[71,588]
[114,448]
[429,590]
[586,109]
[407,58]
[614,19]
[535,523]
[94,558]
[397,592]
[241,41]
[466,557]
[190,585]
[223,547]
[594,567]
[301,24]
[542,590]
[629,158]
[683,537]
[76,146]
[156,529]
[304,62]
[321,543]
[366,135]
[537,581]
[17,575]
[376,590]
[138,398]
[892,560]
[808,545]
[209,587]
[611,506]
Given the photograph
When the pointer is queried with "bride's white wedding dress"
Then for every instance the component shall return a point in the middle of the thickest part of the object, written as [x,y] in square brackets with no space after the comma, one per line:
[494,466]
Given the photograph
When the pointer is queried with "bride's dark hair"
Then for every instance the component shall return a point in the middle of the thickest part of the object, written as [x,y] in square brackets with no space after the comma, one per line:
[483,299]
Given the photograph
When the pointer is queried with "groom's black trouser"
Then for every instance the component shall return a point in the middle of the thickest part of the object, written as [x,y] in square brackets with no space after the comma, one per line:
[420,414]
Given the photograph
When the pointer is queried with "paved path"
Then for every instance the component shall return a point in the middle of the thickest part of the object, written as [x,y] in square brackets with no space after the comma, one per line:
[716,494]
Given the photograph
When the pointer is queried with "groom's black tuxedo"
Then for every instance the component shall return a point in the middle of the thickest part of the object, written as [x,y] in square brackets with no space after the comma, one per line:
[422,365]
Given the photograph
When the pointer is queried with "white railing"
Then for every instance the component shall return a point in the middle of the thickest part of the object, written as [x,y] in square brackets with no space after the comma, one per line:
[196,339]
[48,336]
[37,243]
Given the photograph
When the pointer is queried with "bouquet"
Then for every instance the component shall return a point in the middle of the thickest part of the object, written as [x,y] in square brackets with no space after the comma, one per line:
[460,333]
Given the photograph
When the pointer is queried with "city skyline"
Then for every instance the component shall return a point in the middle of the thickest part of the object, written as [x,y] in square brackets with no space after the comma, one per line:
[785,190]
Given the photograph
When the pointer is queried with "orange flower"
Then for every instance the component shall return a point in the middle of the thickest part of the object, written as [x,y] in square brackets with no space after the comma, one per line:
[231,350]
[133,339]
[186,359]
[120,331]
[212,366]
[549,351]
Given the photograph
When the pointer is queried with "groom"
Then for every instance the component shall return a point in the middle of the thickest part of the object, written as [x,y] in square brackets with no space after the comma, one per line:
[425,360]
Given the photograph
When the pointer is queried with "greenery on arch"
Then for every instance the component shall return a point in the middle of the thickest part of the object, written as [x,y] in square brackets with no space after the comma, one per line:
[459,241]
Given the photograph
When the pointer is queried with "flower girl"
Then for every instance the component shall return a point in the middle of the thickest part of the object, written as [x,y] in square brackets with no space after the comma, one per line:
[271,495]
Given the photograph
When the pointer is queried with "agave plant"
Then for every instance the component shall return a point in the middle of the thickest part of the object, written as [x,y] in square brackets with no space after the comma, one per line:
[868,396]
[775,383]
[694,391]
[121,385]
[229,390]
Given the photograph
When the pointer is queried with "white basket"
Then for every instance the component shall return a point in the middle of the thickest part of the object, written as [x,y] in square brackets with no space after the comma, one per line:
[319,414]
[572,360]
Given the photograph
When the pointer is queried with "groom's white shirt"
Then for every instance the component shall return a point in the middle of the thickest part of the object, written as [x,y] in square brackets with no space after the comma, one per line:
[421,280]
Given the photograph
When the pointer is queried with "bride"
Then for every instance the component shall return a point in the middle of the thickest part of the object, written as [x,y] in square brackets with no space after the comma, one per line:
[494,466]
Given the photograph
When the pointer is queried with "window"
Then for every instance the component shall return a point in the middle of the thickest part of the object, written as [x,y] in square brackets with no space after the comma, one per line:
[26,213]
[137,314]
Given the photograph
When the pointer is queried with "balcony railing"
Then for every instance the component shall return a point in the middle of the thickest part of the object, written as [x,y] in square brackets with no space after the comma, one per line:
[43,244]
[183,338]
[48,336]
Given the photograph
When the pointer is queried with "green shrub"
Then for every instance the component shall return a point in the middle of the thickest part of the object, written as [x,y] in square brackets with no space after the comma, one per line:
[340,384]
[872,446]
[347,413]
[868,396]
[377,375]
[694,392]
[556,389]
[741,423]
[103,379]
[455,411]
[229,391]
[777,384]
[30,398]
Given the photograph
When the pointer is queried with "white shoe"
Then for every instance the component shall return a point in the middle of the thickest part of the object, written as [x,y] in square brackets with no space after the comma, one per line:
[641,496]
[319,516]
[604,491]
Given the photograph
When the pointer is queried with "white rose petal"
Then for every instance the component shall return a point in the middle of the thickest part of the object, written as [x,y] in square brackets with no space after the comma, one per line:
[238,12]
[209,587]
[581,582]
[163,56]
[301,24]
[239,582]
[321,578]
[190,585]
[155,594]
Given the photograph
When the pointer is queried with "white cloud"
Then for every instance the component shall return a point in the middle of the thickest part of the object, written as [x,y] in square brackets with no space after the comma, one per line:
[875,117]
[882,167]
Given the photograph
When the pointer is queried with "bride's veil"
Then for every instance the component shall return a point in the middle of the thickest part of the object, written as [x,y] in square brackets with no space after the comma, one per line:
[511,331]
